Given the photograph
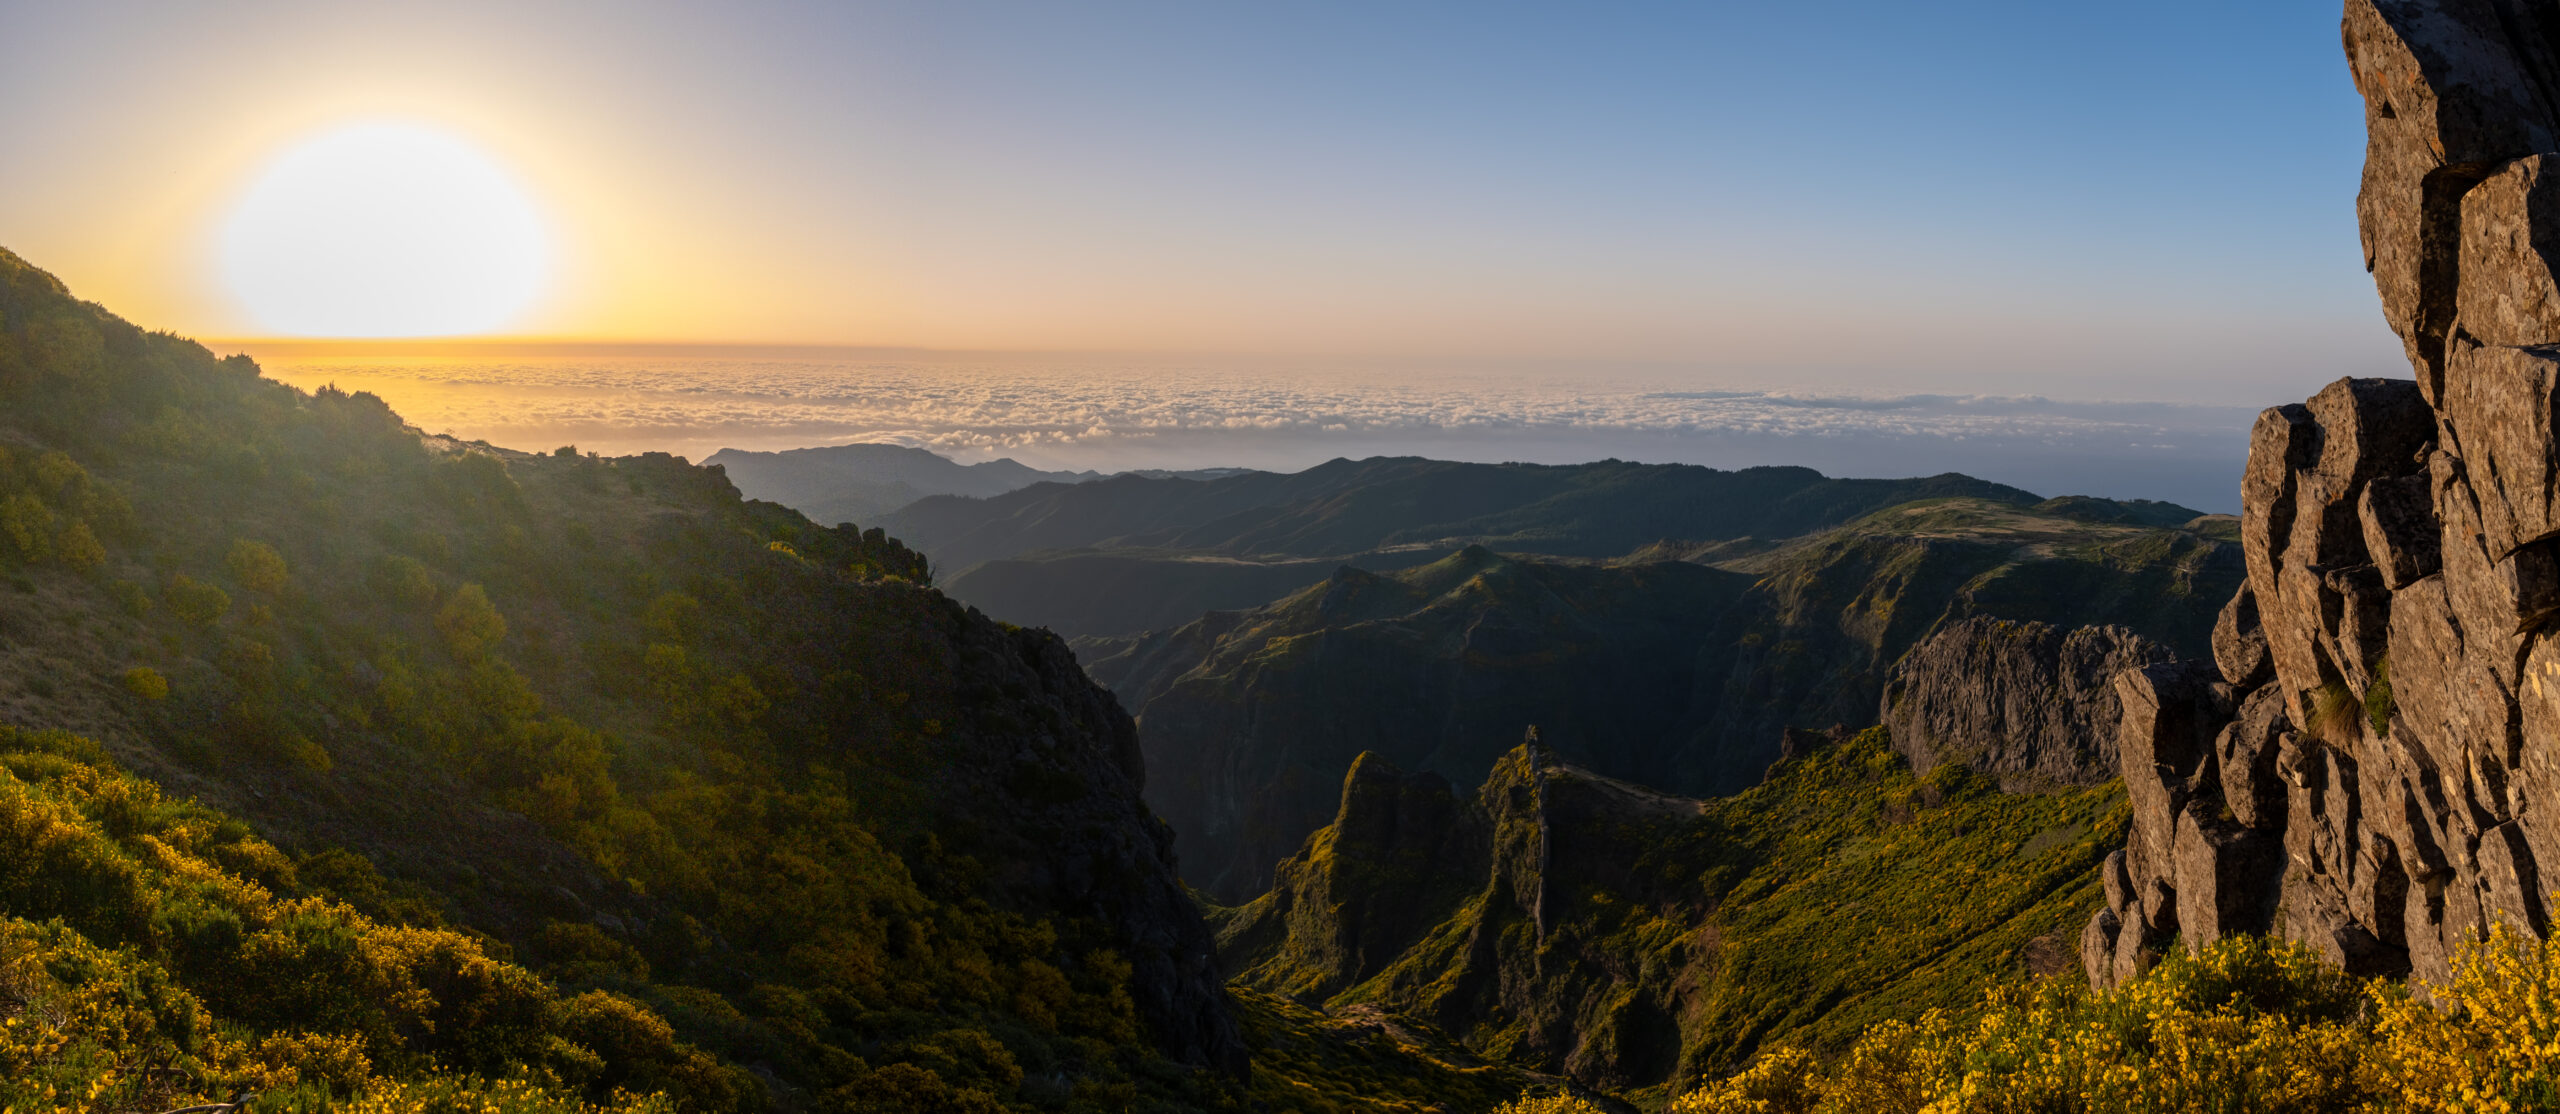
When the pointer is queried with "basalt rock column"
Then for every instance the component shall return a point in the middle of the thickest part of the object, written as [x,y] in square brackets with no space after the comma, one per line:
[2384,766]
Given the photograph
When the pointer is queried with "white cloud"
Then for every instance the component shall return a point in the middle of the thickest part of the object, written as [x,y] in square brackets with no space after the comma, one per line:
[1103,415]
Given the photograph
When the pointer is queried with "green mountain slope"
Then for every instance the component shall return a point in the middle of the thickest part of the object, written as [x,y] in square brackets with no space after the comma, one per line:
[651,738]
[156,953]
[1640,942]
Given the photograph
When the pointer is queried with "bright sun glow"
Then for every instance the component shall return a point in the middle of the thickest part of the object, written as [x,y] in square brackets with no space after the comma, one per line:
[385,230]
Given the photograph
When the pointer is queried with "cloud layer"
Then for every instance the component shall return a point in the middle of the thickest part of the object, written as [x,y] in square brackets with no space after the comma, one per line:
[1086,413]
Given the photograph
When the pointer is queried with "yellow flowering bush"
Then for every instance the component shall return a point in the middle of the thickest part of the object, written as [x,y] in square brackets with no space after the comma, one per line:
[1547,1104]
[2489,1043]
[154,954]
[2245,1025]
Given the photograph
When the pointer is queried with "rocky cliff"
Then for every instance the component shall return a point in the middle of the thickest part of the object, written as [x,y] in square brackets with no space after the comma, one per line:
[2371,765]
[2029,703]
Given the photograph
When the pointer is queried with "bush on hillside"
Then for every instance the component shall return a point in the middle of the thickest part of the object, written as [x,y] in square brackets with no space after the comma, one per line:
[2246,1024]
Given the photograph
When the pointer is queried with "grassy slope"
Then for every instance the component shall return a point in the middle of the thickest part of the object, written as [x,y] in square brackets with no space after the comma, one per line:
[156,953]
[1842,892]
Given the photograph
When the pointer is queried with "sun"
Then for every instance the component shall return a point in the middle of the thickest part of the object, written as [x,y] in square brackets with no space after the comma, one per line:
[385,229]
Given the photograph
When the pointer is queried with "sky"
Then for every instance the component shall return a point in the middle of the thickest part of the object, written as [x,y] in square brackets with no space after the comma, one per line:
[2122,202]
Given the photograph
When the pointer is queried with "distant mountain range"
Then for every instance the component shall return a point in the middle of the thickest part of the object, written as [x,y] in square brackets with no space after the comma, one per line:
[860,483]
[1135,553]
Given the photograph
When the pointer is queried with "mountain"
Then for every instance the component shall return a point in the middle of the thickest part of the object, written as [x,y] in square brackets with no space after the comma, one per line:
[860,483]
[1638,941]
[1341,507]
[1662,672]
[1091,595]
[787,813]
[1134,554]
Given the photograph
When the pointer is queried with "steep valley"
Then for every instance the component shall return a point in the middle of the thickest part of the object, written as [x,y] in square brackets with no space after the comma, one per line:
[1677,674]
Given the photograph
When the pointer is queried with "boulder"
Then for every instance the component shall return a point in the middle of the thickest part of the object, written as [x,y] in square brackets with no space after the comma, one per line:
[2500,405]
[2449,96]
[2228,876]
[2098,948]
[2510,223]
[2245,759]
[2172,711]
[2400,530]
[2240,644]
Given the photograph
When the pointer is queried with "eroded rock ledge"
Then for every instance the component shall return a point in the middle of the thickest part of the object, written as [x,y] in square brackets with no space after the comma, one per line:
[2031,704]
[2372,765]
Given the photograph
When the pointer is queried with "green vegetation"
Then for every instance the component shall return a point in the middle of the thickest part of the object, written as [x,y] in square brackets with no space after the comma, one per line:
[1366,1061]
[733,784]
[2337,717]
[1679,937]
[155,952]
[2248,1024]
[2377,698]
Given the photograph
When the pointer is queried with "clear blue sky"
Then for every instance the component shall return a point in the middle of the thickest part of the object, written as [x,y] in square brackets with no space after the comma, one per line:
[2146,201]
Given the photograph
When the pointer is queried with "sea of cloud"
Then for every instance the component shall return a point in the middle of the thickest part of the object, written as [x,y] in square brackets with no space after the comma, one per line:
[1083,412]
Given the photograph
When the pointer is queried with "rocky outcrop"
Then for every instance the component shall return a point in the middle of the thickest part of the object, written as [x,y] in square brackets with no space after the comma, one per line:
[2028,703]
[1628,939]
[2383,780]
[1403,852]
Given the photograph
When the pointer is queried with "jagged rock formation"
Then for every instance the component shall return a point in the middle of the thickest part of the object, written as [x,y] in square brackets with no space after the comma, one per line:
[2028,703]
[1579,924]
[2372,769]
[1402,852]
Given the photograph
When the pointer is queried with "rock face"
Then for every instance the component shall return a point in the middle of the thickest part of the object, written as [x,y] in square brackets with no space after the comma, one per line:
[2383,773]
[2028,703]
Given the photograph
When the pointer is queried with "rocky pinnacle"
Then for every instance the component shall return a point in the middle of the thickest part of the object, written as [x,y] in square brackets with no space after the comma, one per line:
[2372,763]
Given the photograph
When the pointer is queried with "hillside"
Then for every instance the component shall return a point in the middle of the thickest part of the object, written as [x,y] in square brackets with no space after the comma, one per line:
[643,735]
[1663,672]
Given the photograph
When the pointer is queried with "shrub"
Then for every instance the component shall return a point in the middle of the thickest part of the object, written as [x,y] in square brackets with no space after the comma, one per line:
[2337,717]
[469,622]
[405,580]
[78,549]
[2246,1024]
[2491,1039]
[195,601]
[28,526]
[1547,1104]
[2377,699]
[257,566]
[146,682]
[135,599]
